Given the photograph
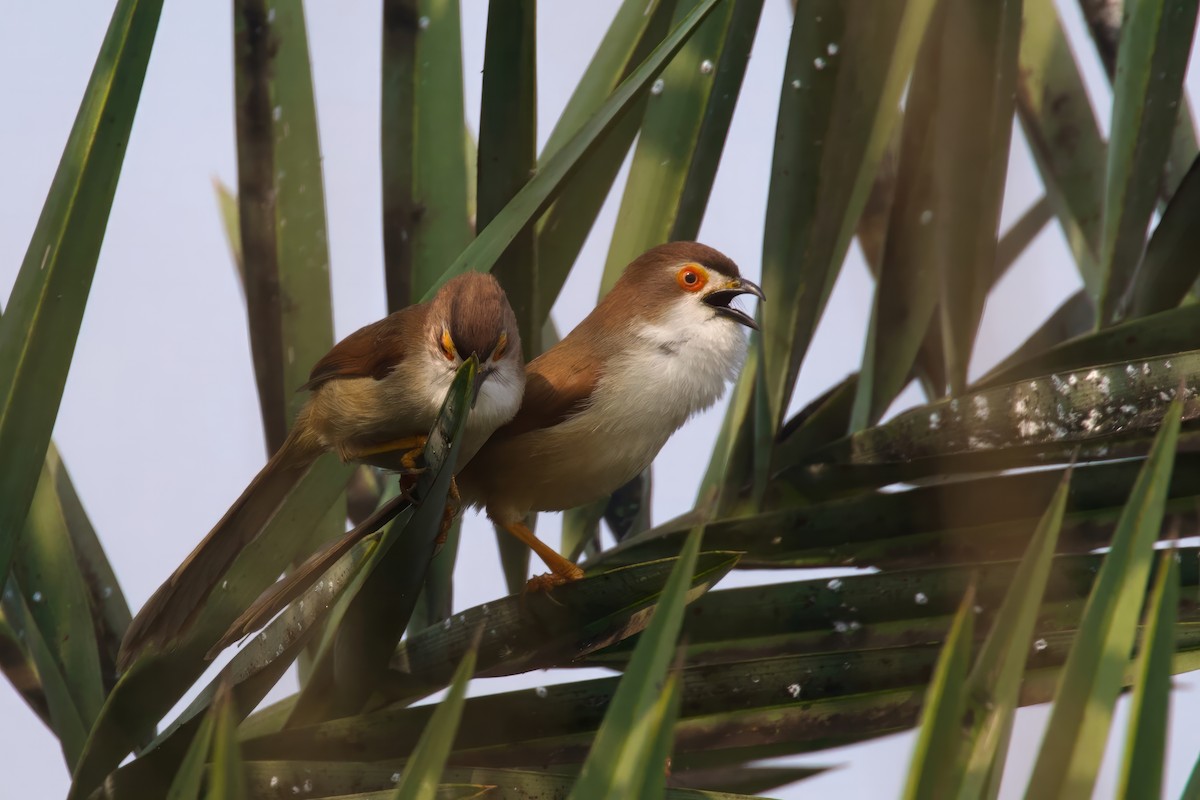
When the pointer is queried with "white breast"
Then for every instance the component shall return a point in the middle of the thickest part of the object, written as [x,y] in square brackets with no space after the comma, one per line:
[674,369]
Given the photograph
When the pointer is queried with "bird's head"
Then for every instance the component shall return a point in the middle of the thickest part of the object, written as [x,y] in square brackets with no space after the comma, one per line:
[470,315]
[687,281]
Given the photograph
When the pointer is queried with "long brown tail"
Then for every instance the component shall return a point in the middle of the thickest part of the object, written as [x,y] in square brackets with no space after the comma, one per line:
[173,606]
[296,582]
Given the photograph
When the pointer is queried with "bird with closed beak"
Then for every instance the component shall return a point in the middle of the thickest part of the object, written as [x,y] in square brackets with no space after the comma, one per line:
[375,396]
[600,404]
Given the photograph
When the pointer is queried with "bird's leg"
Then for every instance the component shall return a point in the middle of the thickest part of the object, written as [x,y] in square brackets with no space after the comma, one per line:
[561,570]
[410,449]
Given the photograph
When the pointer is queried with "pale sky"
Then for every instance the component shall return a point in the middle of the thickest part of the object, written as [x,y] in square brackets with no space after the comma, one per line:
[159,423]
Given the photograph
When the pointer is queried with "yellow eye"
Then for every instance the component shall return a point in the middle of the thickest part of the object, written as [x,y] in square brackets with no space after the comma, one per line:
[447,345]
[691,277]
[501,346]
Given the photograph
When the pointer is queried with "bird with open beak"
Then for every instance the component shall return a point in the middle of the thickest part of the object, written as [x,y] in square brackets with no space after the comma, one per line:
[374,398]
[600,404]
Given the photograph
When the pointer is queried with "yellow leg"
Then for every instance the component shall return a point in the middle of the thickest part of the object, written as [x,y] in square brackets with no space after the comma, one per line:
[561,570]
[408,443]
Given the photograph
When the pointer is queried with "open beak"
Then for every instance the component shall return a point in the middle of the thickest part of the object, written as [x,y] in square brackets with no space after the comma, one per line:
[720,300]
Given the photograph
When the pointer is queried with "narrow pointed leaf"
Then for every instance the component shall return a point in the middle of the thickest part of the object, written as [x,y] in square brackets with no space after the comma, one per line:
[258,210]
[1142,770]
[189,777]
[443,227]
[65,718]
[44,311]
[1092,676]
[1151,63]
[424,769]
[110,612]
[281,216]
[226,779]
[1057,117]
[397,132]
[933,768]
[682,135]
[906,286]
[17,665]
[227,205]
[46,568]
[838,104]
[1167,271]
[971,135]
[508,152]
[637,28]
[533,198]
[307,312]
[617,743]
[993,687]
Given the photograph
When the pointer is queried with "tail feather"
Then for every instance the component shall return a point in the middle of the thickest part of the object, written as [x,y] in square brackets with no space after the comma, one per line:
[173,606]
[295,583]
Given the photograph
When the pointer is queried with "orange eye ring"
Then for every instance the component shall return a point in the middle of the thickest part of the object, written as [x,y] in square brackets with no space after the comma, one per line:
[447,345]
[691,277]
[500,348]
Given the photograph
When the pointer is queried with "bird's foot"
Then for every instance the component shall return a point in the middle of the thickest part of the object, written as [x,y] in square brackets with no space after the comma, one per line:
[402,455]
[549,580]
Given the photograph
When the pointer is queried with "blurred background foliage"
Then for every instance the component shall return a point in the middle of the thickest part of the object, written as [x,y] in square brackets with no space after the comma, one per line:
[1006,527]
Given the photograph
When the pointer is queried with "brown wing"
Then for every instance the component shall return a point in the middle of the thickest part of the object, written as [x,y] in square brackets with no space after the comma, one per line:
[373,350]
[558,384]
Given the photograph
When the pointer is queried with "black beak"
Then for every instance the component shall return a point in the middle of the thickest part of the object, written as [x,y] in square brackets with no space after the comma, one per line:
[721,298]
